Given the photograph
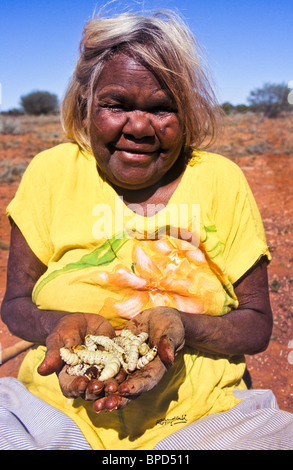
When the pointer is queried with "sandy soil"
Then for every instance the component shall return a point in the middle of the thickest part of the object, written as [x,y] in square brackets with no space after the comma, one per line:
[263,148]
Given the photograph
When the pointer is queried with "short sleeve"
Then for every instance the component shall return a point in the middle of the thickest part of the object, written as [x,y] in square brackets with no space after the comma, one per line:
[30,208]
[239,224]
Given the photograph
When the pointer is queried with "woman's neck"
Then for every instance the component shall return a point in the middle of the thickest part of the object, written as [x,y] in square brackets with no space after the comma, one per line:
[149,200]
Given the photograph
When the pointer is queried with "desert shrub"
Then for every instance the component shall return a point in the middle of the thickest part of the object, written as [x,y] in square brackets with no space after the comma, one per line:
[271,99]
[13,112]
[9,126]
[10,172]
[241,108]
[39,102]
[227,107]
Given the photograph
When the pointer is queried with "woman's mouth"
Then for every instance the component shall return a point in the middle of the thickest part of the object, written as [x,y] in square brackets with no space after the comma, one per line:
[138,155]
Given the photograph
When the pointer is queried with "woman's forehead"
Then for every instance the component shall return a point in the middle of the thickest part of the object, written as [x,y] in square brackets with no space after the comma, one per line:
[124,71]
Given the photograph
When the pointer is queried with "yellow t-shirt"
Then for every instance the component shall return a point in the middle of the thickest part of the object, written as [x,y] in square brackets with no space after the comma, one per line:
[103,259]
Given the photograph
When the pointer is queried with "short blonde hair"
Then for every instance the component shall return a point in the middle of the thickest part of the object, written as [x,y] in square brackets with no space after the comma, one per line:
[162,42]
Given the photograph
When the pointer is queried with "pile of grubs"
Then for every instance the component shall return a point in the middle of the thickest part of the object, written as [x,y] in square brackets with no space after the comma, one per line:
[102,358]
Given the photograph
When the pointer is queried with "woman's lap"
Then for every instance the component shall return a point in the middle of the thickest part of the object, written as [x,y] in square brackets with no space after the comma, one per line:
[256,423]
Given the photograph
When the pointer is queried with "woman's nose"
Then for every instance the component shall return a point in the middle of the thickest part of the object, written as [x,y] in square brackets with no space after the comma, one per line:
[139,125]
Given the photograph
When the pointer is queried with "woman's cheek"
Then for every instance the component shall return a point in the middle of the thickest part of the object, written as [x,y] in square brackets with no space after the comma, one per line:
[109,127]
[171,135]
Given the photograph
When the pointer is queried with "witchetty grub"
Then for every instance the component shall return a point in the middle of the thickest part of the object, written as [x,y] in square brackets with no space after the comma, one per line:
[102,357]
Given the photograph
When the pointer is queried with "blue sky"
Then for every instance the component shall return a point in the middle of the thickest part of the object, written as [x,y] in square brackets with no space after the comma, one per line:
[246,43]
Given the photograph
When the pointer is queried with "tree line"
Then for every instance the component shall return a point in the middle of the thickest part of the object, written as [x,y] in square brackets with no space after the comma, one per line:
[270,100]
[37,103]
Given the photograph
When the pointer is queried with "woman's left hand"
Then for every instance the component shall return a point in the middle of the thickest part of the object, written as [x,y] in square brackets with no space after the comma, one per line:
[166,331]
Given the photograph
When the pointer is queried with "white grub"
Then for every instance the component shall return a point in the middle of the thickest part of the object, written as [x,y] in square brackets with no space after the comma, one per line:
[107,343]
[123,342]
[126,337]
[147,358]
[92,357]
[110,362]
[111,369]
[89,343]
[128,351]
[143,349]
[136,342]
[69,357]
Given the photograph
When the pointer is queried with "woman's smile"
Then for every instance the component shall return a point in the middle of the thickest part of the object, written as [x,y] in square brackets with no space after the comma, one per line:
[138,153]
[133,155]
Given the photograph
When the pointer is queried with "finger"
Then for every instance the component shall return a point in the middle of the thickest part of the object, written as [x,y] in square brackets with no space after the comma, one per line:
[108,387]
[94,389]
[72,386]
[121,376]
[111,386]
[115,402]
[52,362]
[166,351]
[143,380]
[168,333]
[110,403]
[99,405]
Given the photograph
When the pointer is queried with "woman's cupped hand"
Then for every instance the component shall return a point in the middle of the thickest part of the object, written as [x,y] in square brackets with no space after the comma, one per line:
[165,331]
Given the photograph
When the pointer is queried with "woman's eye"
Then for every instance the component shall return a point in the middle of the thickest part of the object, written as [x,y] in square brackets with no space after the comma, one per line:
[162,110]
[114,106]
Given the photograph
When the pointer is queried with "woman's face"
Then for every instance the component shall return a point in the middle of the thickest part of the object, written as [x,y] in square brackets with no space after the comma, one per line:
[135,132]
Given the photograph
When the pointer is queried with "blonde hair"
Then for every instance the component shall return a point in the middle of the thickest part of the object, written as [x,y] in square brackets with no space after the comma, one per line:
[161,42]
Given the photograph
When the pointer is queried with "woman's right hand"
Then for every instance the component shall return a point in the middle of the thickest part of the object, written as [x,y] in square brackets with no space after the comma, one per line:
[71,331]
[53,328]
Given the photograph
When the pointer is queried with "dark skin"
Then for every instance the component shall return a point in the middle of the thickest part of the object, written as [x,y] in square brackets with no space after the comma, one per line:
[243,331]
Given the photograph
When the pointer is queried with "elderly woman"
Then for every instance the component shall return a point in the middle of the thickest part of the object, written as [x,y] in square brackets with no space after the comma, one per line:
[130,226]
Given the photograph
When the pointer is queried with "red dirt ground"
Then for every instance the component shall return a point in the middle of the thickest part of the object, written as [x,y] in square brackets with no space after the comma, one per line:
[263,148]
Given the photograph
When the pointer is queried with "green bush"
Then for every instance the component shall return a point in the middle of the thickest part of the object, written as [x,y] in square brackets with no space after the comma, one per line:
[271,99]
[227,107]
[39,102]
[241,108]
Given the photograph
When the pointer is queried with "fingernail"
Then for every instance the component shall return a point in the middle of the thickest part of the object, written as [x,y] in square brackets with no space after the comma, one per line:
[98,405]
[95,387]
